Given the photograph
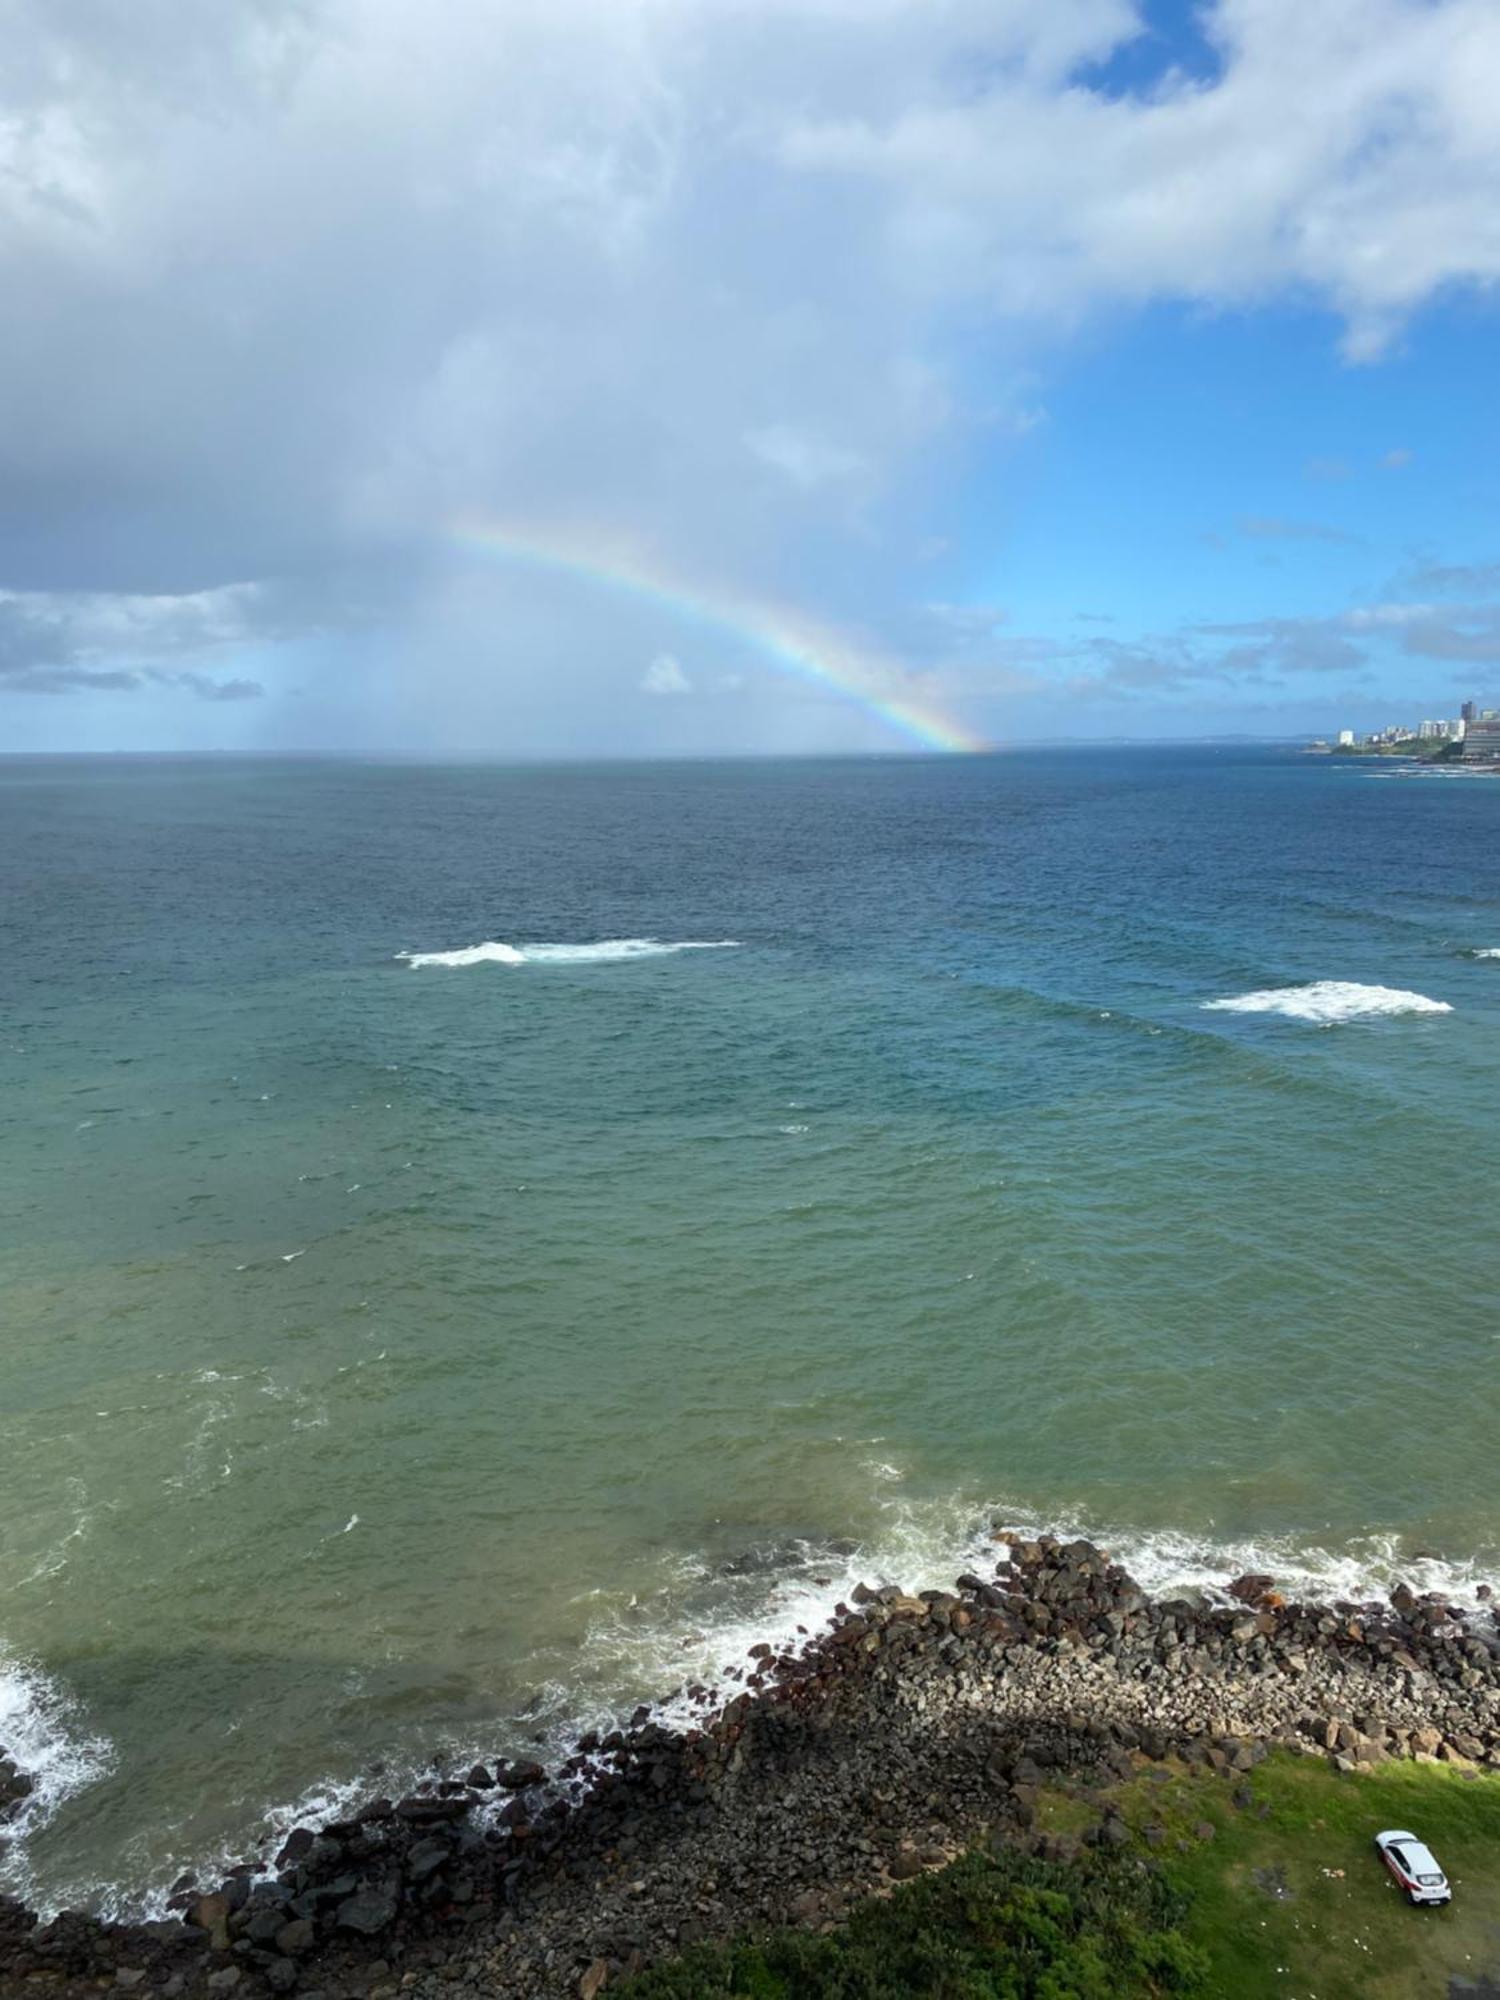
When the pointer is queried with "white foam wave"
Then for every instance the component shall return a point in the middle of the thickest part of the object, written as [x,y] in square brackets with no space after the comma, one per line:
[1486,951]
[474,954]
[606,951]
[1327,1002]
[41,1732]
[695,1630]
[702,1625]
[1168,1563]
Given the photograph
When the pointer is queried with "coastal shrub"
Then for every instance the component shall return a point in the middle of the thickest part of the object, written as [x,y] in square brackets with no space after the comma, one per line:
[993,1926]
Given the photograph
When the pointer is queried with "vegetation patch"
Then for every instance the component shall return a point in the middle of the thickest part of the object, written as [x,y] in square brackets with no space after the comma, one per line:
[1223,1887]
[993,1926]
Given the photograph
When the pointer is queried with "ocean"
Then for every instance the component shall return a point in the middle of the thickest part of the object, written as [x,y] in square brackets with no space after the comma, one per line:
[481,1246]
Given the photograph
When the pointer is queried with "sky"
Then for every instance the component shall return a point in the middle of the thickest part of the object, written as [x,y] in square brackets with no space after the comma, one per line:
[549,378]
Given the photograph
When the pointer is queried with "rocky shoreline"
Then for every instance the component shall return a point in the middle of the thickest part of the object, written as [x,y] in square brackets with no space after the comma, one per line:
[884,1746]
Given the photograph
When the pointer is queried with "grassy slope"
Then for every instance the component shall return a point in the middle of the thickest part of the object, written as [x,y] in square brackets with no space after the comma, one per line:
[1287,1897]
[1272,1911]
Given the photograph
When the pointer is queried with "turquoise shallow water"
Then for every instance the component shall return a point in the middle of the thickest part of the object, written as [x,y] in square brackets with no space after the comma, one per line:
[405,1358]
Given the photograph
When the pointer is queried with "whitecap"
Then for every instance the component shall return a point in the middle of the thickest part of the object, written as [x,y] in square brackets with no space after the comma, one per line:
[40,1729]
[1486,951]
[474,954]
[605,951]
[1327,1002]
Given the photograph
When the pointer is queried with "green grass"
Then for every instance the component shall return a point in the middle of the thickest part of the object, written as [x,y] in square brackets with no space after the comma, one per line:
[993,1926]
[1290,1898]
[1286,1898]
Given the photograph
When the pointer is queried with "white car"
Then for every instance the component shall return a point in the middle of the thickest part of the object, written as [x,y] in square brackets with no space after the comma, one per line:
[1414,1867]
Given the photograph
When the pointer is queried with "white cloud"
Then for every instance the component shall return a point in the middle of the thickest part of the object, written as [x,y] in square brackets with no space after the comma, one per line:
[1348,152]
[364,267]
[806,460]
[665,676]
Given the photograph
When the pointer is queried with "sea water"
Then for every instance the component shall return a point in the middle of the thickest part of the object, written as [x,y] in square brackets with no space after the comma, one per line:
[483,1246]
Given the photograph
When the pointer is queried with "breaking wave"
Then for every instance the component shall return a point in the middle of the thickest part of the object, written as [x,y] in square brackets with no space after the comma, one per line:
[684,1647]
[1327,1002]
[606,951]
[1486,951]
[41,1734]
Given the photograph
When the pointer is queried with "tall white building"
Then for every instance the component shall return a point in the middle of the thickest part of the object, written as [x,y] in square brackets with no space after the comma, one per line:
[1346,739]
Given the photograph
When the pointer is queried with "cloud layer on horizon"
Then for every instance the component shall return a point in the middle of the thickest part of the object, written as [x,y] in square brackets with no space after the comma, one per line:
[292,284]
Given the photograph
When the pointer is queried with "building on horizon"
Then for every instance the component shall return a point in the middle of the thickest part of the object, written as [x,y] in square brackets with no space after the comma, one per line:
[1467,712]
[1482,739]
[1346,739]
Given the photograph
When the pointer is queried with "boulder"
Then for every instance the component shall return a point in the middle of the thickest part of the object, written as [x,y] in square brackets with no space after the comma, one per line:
[1252,1588]
[367,1913]
[211,1914]
[517,1776]
[419,1809]
[295,1847]
[426,1858]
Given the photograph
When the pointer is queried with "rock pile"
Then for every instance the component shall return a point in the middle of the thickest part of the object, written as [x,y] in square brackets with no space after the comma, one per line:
[880,1748]
[15,1787]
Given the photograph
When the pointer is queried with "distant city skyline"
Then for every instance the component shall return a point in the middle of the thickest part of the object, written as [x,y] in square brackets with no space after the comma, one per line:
[670,379]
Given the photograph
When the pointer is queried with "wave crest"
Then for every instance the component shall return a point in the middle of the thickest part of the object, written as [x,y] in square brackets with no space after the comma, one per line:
[1327,1002]
[39,1732]
[605,951]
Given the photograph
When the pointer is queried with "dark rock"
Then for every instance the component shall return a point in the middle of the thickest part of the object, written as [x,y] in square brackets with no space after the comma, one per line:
[426,1858]
[479,1777]
[324,1893]
[235,1887]
[417,1811]
[296,1937]
[297,1847]
[211,1914]
[1252,1588]
[262,1925]
[367,1913]
[517,1776]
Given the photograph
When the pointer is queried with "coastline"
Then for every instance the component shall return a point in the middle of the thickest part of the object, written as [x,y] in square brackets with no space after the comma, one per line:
[910,1728]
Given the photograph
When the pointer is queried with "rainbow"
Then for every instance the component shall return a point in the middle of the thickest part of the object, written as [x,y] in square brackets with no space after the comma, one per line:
[785,638]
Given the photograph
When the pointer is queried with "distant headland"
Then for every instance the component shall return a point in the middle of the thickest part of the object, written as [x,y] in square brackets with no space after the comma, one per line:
[1470,738]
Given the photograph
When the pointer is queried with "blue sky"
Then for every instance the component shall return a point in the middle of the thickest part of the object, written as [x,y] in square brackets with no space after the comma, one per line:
[1189,469]
[1096,370]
